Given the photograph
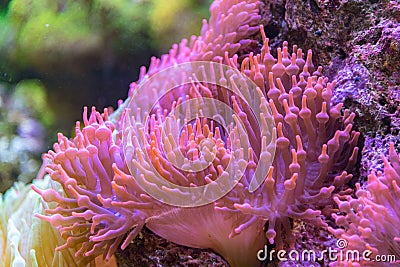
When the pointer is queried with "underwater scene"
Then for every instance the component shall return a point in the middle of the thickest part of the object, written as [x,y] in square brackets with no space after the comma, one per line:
[241,133]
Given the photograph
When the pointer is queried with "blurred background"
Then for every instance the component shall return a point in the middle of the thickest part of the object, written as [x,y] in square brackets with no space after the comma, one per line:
[57,56]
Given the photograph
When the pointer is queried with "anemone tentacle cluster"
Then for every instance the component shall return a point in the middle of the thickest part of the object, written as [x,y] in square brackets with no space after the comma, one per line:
[316,146]
[88,167]
[369,221]
[102,205]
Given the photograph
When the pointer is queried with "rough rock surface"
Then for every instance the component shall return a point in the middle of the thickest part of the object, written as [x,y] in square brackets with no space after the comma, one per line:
[151,250]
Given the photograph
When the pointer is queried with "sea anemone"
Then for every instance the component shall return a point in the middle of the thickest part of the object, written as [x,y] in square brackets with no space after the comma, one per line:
[370,220]
[102,201]
[116,172]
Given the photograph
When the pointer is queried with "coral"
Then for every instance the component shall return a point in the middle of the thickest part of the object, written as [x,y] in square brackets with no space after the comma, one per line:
[369,220]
